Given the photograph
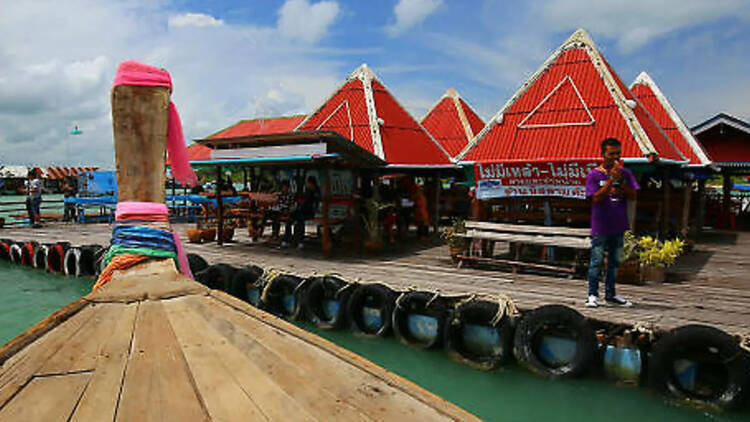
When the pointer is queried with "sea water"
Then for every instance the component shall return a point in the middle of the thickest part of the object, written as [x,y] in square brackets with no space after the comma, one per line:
[510,394]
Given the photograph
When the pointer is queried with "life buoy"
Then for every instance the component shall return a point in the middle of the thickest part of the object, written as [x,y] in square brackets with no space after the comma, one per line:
[86,261]
[56,257]
[555,341]
[479,334]
[248,285]
[217,276]
[326,301]
[197,263]
[16,254]
[27,253]
[70,261]
[701,364]
[419,319]
[370,310]
[284,296]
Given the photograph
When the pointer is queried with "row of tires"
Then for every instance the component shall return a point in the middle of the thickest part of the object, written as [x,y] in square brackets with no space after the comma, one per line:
[60,257]
[695,363]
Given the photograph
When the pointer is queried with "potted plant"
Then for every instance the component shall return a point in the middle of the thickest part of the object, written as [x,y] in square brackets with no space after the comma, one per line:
[228,229]
[371,219]
[628,273]
[655,256]
[456,243]
[195,235]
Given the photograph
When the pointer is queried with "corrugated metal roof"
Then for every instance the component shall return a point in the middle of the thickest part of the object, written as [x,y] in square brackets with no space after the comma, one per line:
[566,109]
[401,139]
[452,122]
[261,126]
[651,97]
[57,172]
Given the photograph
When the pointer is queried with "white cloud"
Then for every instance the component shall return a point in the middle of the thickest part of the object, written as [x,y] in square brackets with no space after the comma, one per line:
[59,60]
[634,23]
[194,19]
[409,13]
[302,21]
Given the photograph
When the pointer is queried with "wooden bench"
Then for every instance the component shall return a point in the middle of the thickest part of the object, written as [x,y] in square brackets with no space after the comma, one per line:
[565,237]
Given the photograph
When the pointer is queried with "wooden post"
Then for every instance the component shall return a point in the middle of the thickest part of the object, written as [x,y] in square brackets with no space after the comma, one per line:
[632,207]
[700,213]
[436,211]
[686,195]
[726,192]
[357,198]
[549,250]
[666,188]
[139,121]
[219,208]
[326,210]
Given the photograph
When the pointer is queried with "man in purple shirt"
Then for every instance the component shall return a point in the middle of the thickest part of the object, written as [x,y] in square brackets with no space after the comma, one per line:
[609,187]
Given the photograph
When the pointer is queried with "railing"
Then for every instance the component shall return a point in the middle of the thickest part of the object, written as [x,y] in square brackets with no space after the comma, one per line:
[12,211]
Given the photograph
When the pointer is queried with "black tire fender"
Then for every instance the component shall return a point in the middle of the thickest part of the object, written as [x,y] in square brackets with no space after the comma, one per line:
[422,303]
[327,288]
[710,346]
[279,289]
[378,296]
[217,276]
[245,279]
[484,313]
[563,321]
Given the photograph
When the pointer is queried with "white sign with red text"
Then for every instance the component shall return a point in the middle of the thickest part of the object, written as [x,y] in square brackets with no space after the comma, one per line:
[532,178]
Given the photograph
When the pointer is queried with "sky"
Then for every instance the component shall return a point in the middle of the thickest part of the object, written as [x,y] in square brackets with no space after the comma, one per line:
[233,60]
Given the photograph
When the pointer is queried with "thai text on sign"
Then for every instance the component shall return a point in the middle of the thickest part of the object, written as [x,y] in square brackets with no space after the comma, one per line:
[532,178]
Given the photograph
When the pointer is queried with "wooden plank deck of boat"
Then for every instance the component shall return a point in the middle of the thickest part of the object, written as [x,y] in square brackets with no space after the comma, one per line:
[155,346]
[714,290]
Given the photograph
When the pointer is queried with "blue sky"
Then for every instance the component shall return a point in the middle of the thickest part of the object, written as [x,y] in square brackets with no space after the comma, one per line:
[234,60]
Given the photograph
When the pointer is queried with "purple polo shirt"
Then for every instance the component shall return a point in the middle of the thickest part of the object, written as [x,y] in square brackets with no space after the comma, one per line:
[611,215]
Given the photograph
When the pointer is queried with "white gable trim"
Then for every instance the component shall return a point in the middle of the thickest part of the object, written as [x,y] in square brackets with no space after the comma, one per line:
[344,103]
[645,79]
[372,114]
[567,78]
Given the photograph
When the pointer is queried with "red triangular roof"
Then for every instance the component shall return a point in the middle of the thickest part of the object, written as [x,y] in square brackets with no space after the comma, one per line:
[262,126]
[650,96]
[564,111]
[365,112]
[452,122]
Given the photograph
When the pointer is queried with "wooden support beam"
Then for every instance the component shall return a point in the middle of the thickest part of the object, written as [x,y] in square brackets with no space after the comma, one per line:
[326,235]
[700,213]
[726,191]
[219,208]
[357,196]
[665,208]
[436,210]
[686,196]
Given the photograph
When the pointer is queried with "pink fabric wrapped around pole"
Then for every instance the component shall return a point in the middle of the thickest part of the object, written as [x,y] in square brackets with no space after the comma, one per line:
[134,73]
[131,210]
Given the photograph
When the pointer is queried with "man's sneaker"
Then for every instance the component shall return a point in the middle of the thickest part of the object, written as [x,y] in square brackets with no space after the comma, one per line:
[284,245]
[618,300]
[591,303]
[301,246]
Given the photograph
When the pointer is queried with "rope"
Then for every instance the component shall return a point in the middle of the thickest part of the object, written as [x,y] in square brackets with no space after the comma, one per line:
[119,262]
[744,342]
[268,278]
[505,306]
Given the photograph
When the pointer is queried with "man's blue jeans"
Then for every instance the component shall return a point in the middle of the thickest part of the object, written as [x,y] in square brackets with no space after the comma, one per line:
[611,244]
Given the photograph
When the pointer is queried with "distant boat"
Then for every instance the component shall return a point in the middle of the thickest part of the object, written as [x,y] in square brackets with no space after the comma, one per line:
[76,131]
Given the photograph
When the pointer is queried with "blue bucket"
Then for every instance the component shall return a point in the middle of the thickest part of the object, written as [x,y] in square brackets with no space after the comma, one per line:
[557,351]
[623,364]
[422,327]
[482,340]
[253,296]
[331,309]
[371,319]
[290,302]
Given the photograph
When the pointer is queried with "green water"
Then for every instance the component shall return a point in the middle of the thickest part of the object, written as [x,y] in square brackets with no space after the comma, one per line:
[27,296]
[507,395]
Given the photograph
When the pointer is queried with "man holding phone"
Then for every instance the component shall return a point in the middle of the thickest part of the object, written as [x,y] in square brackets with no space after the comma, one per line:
[609,186]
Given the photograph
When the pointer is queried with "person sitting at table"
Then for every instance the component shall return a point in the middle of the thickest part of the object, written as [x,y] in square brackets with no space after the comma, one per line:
[282,210]
[306,210]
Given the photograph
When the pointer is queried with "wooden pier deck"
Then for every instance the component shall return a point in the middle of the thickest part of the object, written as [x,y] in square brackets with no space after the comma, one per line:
[713,286]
